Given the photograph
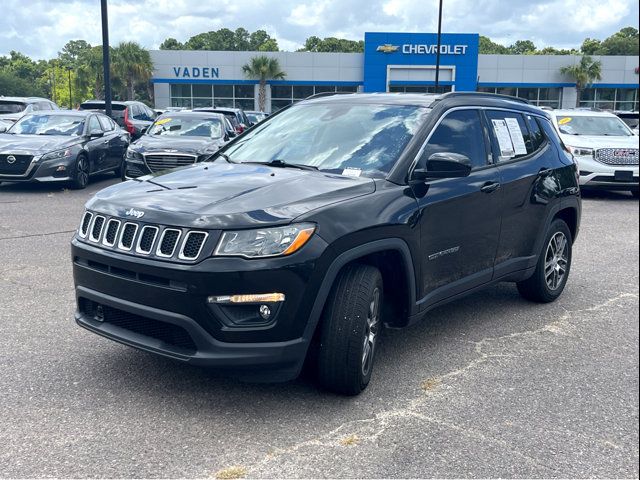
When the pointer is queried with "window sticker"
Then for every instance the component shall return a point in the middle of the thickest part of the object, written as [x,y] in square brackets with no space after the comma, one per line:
[351,172]
[162,121]
[564,121]
[504,138]
[516,136]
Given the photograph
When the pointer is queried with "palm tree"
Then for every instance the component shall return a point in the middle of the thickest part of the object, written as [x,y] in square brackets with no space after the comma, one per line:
[132,64]
[263,68]
[90,71]
[584,74]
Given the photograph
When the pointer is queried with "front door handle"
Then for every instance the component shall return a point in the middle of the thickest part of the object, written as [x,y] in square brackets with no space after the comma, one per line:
[490,187]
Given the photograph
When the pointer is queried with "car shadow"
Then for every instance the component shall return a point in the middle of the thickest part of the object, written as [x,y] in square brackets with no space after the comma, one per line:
[588,194]
[96,182]
[405,357]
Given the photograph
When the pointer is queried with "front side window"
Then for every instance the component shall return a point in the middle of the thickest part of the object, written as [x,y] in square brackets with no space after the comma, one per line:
[593,125]
[42,124]
[187,127]
[459,132]
[343,138]
[94,124]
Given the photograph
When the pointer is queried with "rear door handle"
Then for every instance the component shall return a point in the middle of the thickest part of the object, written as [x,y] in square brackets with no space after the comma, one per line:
[490,187]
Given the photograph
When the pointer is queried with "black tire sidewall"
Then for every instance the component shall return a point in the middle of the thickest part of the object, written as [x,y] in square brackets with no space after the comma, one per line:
[76,178]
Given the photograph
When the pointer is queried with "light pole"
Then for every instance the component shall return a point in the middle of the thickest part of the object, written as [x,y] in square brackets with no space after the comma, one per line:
[70,96]
[105,58]
[439,43]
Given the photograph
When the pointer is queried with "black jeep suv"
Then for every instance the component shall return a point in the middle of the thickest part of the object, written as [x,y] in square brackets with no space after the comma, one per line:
[302,237]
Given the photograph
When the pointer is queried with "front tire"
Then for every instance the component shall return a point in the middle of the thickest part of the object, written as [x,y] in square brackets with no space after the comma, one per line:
[80,173]
[552,271]
[351,326]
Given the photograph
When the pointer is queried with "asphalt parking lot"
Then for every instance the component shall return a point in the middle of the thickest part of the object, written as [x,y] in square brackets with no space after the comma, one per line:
[491,386]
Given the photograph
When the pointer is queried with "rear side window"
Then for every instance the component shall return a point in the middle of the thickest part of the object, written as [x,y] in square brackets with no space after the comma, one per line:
[459,132]
[44,106]
[12,107]
[537,136]
[511,135]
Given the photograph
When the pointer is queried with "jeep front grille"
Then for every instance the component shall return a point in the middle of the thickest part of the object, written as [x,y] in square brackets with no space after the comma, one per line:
[617,156]
[162,161]
[140,239]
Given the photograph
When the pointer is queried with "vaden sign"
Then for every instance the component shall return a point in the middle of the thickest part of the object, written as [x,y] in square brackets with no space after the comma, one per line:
[196,72]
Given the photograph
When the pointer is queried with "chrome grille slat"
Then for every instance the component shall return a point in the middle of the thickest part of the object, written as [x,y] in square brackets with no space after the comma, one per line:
[111,232]
[84,225]
[146,239]
[96,228]
[164,161]
[192,245]
[168,242]
[141,239]
[617,156]
[127,236]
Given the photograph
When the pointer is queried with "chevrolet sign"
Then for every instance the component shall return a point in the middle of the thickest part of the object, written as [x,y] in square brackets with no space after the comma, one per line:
[432,49]
[387,48]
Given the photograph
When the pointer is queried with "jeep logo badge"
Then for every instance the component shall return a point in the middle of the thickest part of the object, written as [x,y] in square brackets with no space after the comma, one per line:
[132,212]
[11,159]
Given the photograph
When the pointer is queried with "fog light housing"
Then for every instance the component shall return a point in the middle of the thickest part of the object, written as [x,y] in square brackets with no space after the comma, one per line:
[247,298]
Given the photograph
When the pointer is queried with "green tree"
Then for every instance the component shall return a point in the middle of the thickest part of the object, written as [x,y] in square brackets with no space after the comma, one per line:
[523,47]
[487,46]
[72,52]
[624,42]
[583,73]
[90,73]
[332,44]
[133,65]
[590,46]
[171,44]
[263,42]
[263,68]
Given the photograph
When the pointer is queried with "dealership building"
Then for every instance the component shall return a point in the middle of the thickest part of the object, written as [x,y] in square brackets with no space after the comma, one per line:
[391,62]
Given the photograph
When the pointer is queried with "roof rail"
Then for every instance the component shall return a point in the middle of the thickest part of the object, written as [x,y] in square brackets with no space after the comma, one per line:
[484,94]
[327,94]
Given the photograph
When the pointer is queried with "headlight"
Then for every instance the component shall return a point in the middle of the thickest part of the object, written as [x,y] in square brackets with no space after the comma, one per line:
[264,242]
[133,155]
[581,151]
[57,154]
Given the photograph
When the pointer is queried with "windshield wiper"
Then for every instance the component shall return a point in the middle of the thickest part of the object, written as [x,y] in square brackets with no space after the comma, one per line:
[276,162]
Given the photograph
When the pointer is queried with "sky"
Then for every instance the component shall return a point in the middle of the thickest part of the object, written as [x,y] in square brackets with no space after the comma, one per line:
[40,28]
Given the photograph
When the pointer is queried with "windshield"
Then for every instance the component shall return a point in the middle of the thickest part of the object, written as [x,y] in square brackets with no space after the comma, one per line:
[11,107]
[67,125]
[187,127]
[340,138]
[584,125]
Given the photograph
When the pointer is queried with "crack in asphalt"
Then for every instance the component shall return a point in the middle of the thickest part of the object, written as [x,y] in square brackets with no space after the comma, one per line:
[29,235]
[369,430]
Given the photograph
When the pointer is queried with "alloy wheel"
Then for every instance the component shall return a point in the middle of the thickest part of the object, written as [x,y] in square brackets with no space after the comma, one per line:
[372,328]
[556,261]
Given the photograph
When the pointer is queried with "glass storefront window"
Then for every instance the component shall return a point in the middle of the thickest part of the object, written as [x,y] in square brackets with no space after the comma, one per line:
[202,91]
[542,97]
[610,98]
[302,91]
[244,91]
[419,89]
[207,95]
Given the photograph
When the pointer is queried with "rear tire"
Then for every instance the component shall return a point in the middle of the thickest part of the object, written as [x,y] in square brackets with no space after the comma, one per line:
[350,329]
[554,264]
[81,171]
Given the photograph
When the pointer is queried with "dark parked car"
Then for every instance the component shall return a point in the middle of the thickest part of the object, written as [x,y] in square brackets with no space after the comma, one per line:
[12,108]
[61,146]
[236,116]
[325,222]
[176,139]
[133,116]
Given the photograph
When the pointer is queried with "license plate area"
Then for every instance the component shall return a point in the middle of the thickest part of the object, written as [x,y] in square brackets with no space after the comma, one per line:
[623,176]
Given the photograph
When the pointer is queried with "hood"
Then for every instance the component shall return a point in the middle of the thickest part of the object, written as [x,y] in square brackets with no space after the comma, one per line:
[188,145]
[599,141]
[224,195]
[35,144]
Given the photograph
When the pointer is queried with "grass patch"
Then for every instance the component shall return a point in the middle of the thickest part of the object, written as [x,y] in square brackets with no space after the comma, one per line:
[350,441]
[430,384]
[231,473]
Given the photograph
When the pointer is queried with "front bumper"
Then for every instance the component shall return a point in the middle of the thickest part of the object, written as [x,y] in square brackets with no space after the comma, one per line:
[594,174]
[135,169]
[161,307]
[58,170]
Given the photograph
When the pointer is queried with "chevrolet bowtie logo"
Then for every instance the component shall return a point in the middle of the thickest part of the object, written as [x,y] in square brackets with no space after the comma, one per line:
[387,48]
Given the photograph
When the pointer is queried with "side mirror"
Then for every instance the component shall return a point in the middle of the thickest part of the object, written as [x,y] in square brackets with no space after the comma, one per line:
[444,165]
[144,130]
[96,133]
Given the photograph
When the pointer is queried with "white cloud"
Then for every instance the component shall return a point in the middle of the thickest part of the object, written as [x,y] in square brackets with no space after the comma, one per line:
[40,28]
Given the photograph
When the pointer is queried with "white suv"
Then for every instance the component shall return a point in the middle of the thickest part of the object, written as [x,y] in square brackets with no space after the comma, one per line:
[604,146]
